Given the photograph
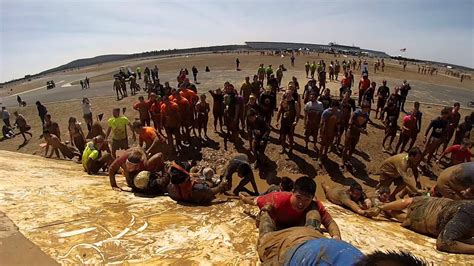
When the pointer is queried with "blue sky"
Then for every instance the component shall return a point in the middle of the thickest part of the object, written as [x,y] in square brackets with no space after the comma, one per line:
[37,35]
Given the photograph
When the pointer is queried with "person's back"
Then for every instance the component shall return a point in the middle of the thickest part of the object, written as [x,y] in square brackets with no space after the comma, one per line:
[429,215]
[394,164]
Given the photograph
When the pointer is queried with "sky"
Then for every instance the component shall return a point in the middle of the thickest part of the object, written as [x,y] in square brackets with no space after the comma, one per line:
[38,35]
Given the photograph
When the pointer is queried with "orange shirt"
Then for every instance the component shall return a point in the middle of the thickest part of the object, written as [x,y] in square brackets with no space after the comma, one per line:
[143,108]
[168,113]
[190,95]
[155,108]
[183,104]
[148,135]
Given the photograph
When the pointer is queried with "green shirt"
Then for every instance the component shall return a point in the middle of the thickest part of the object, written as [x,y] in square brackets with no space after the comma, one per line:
[90,152]
[119,127]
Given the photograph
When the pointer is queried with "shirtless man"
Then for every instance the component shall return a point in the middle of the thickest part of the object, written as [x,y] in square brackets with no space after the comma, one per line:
[289,119]
[330,119]
[357,125]
[451,221]
[418,116]
[401,170]
[132,162]
[454,118]
[267,102]
[456,182]
[353,198]
[57,146]
[52,126]
[118,88]
[312,119]
[185,188]
[217,107]
[391,127]
[382,95]
[245,89]
[280,210]
[239,163]
[347,107]
[259,134]
[438,127]
[409,128]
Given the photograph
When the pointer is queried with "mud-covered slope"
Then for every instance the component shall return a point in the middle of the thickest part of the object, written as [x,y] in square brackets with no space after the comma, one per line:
[77,218]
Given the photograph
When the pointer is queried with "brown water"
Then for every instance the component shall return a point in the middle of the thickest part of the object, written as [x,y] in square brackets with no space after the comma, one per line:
[78,219]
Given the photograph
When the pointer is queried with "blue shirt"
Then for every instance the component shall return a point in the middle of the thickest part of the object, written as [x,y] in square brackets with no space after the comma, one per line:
[323,251]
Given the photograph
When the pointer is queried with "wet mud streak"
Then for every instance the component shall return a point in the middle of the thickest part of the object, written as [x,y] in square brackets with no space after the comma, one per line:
[76,218]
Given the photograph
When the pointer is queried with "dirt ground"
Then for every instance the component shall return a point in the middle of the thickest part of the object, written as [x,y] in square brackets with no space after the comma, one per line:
[367,158]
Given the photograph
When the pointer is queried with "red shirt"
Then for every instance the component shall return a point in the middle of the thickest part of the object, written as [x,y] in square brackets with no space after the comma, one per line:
[364,84]
[458,155]
[410,123]
[346,82]
[285,215]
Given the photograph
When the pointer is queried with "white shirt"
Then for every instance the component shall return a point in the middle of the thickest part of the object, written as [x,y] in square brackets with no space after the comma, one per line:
[86,108]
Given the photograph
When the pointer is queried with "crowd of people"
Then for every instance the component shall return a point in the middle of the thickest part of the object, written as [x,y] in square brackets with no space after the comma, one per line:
[290,216]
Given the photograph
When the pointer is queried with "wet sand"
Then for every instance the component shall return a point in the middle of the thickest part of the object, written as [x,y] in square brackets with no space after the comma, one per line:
[76,218]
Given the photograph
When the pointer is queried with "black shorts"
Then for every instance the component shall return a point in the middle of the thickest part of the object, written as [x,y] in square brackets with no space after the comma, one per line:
[286,129]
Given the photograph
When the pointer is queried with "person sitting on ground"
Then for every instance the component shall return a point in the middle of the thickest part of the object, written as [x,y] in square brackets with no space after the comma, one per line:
[296,208]
[133,161]
[401,169]
[451,221]
[93,159]
[58,146]
[184,188]
[459,153]
[239,163]
[286,184]
[149,136]
[456,182]
[353,198]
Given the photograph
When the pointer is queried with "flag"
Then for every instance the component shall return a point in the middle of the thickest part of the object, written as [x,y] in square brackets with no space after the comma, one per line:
[403,50]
